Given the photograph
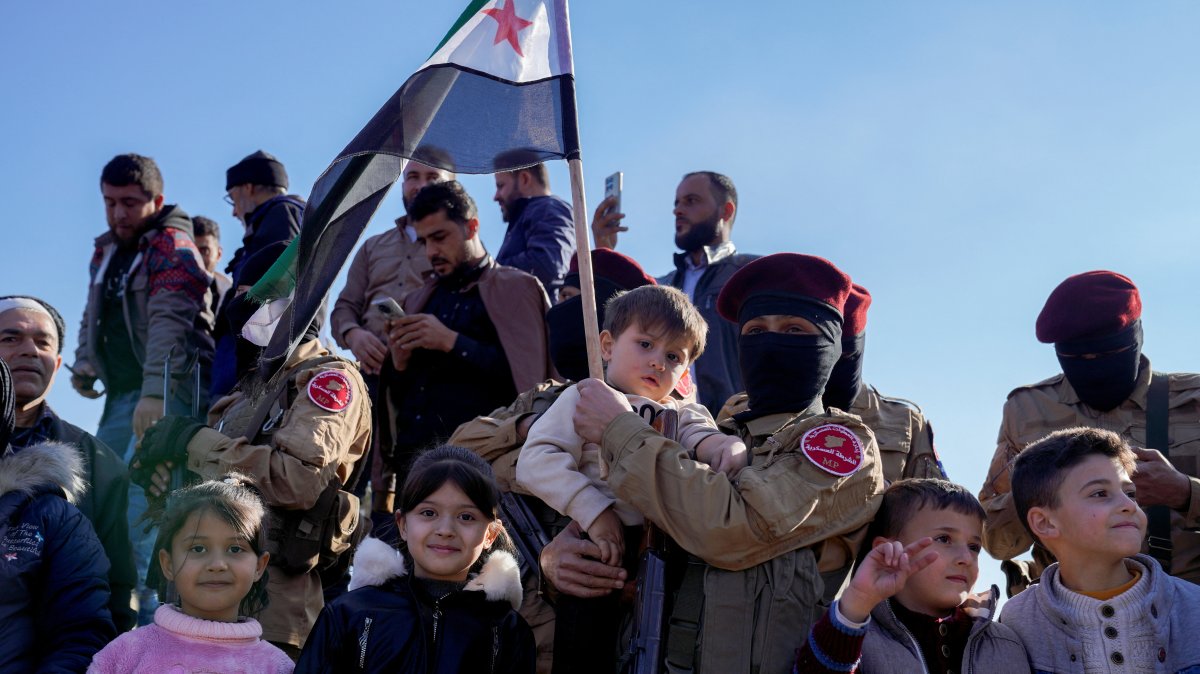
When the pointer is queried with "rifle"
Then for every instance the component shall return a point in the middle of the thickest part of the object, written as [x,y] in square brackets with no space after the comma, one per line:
[644,654]
[526,532]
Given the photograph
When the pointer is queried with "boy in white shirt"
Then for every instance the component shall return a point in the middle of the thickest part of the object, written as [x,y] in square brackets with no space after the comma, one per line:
[651,335]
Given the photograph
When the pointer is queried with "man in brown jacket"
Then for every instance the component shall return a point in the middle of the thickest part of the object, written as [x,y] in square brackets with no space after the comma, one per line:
[1093,320]
[392,265]
[474,335]
[753,583]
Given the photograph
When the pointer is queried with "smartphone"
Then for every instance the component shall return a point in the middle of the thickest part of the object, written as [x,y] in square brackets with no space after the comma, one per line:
[612,188]
[387,308]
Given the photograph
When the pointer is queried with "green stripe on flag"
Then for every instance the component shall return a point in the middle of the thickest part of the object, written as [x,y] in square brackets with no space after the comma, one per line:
[469,12]
[280,279]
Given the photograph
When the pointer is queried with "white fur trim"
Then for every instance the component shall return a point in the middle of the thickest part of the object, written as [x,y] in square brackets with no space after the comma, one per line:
[499,579]
[42,464]
[375,563]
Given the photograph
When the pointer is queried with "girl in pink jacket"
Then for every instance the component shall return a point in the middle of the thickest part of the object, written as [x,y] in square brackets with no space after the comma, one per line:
[211,548]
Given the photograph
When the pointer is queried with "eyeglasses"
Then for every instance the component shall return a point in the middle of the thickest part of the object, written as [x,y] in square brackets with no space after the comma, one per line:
[228,199]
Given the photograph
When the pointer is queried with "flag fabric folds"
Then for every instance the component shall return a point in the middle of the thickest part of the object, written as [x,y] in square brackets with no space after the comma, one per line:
[497,94]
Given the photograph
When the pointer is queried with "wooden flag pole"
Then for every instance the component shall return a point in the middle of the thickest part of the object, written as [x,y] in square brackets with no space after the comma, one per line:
[591,326]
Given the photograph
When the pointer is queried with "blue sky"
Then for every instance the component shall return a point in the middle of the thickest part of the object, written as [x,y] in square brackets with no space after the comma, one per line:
[957,159]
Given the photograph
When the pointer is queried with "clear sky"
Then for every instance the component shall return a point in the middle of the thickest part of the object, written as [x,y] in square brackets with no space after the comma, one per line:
[957,159]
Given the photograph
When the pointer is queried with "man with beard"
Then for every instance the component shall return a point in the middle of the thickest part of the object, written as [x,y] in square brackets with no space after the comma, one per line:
[147,310]
[706,205]
[541,233]
[256,188]
[472,337]
[752,583]
[1093,320]
[31,338]
[392,265]
[298,450]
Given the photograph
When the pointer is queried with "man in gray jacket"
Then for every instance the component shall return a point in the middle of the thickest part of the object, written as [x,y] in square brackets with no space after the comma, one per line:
[147,309]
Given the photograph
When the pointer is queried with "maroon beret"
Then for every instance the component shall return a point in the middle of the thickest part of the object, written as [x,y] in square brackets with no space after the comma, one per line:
[855,320]
[1091,304]
[784,274]
[620,269]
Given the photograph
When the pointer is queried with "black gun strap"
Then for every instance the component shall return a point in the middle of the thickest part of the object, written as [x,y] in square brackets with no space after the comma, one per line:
[1157,401]
[683,627]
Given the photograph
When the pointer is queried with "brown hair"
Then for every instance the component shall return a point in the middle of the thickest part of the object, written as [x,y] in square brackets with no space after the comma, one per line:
[663,310]
[1040,470]
[904,498]
[235,500]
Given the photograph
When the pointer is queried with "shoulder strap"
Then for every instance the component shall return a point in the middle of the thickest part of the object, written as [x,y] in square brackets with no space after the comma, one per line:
[1157,403]
[683,626]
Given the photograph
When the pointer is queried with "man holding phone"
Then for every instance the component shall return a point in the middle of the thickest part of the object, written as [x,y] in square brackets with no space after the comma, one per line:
[389,265]
[472,337]
[705,207]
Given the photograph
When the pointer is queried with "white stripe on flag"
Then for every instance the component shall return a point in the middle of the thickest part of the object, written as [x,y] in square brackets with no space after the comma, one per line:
[262,324]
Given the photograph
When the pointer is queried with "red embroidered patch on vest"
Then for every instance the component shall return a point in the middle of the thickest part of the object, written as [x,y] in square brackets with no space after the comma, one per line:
[834,449]
[330,390]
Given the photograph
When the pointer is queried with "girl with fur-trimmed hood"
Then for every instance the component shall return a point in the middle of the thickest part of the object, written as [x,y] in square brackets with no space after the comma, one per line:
[456,610]
[53,571]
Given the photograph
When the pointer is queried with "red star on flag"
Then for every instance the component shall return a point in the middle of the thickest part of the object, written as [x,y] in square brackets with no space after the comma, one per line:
[509,25]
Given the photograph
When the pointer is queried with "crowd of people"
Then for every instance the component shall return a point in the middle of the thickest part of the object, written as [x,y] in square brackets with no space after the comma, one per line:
[730,496]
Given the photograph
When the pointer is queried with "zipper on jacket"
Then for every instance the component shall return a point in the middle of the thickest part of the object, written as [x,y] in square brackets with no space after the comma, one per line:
[362,643]
[911,638]
[437,616]
[495,646]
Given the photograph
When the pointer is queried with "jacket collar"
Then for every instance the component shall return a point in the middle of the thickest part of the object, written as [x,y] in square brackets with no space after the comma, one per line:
[1068,396]
[49,464]
[376,563]
[1055,601]
[712,254]
[170,215]
[981,607]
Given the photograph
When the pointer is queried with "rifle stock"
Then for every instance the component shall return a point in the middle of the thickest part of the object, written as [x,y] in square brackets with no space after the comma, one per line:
[644,654]
[526,533]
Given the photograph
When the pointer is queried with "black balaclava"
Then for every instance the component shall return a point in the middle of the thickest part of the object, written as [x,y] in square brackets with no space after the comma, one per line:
[1106,381]
[8,408]
[787,373]
[564,321]
[845,381]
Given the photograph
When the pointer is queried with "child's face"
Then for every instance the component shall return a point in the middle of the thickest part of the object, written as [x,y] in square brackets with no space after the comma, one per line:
[944,584]
[213,567]
[446,533]
[643,364]
[1097,514]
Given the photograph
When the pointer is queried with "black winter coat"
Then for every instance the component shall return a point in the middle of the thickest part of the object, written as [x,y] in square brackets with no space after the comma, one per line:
[53,572]
[396,626]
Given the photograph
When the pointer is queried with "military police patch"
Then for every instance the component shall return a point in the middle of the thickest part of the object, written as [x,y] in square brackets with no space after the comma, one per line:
[834,449]
[330,390]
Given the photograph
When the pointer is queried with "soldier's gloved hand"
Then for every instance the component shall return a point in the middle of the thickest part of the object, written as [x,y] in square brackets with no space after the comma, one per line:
[165,441]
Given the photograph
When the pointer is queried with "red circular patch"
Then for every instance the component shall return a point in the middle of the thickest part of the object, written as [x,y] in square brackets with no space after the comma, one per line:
[330,390]
[834,449]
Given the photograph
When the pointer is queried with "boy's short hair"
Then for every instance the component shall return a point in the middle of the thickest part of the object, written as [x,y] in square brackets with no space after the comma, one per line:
[660,310]
[904,498]
[1039,471]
